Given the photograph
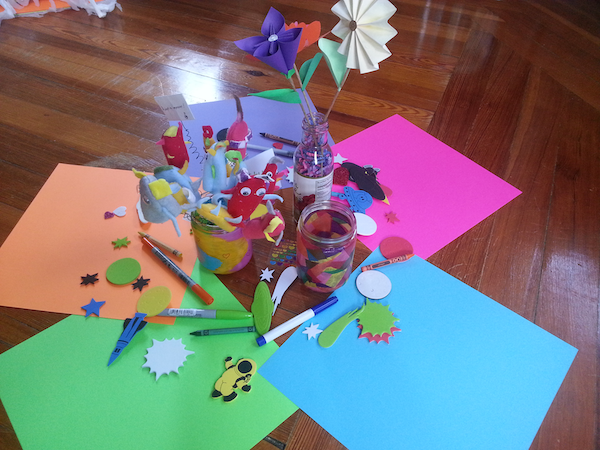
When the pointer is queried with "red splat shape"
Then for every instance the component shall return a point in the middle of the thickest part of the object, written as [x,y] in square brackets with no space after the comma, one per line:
[378,337]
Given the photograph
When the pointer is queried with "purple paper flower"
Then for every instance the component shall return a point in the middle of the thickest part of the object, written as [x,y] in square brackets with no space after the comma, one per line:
[277,47]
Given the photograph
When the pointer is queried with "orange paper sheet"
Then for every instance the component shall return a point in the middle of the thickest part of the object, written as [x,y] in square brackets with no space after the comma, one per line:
[63,236]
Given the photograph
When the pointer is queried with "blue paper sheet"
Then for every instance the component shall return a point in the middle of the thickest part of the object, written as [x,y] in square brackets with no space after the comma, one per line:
[464,373]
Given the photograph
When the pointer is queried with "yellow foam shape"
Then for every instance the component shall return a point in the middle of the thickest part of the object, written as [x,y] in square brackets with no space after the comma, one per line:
[154,300]
[205,211]
[160,188]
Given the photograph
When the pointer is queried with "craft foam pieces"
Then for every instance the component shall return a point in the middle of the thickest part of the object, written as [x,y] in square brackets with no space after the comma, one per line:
[54,244]
[154,300]
[166,356]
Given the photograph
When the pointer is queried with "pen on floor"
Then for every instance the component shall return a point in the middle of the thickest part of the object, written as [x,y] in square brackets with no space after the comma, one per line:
[206,313]
[288,153]
[205,296]
[280,139]
[161,244]
[217,331]
[295,321]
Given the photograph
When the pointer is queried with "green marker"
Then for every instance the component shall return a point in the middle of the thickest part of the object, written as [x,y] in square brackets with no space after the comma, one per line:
[217,331]
[206,313]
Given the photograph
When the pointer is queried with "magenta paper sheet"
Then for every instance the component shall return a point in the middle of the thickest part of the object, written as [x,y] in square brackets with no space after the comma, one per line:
[437,193]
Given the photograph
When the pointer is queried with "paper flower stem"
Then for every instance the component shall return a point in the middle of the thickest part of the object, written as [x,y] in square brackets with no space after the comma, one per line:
[304,93]
[308,119]
[337,93]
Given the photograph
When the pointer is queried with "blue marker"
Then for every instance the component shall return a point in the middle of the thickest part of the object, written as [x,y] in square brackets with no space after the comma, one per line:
[295,321]
[132,326]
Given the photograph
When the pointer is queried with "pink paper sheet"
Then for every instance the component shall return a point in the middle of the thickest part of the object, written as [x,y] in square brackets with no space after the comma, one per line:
[438,194]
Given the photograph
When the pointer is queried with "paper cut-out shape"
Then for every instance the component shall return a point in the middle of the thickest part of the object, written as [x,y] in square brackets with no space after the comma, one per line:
[279,95]
[333,331]
[122,242]
[366,179]
[310,33]
[236,376]
[308,69]
[262,308]
[120,211]
[312,331]
[339,159]
[358,200]
[123,271]
[93,307]
[394,246]
[365,225]
[286,278]
[266,274]
[373,284]
[154,300]
[377,322]
[89,279]
[166,356]
[290,175]
[391,217]
[335,60]
[276,47]
[364,31]
[130,328]
[140,283]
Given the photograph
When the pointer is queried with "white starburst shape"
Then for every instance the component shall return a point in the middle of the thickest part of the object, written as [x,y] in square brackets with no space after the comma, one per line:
[166,356]
[339,159]
[312,331]
[266,274]
[290,175]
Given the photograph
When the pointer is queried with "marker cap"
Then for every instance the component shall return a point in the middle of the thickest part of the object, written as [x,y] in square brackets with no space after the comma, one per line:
[261,341]
[326,304]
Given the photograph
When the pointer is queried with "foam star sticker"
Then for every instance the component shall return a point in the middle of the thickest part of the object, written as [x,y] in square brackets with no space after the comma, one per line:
[391,217]
[339,159]
[140,283]
[93,307]
[266,274]
[290,175]
[121,242]
[312,331]
[89,279]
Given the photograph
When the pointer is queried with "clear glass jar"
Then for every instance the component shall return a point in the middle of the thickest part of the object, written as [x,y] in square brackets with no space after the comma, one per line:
[325,244]
[313,165]
[220,251]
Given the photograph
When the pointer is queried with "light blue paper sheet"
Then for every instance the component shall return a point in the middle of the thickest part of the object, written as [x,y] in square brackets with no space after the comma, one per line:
[464,373]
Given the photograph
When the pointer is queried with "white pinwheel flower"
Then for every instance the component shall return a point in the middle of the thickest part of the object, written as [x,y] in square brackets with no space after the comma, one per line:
[365,30]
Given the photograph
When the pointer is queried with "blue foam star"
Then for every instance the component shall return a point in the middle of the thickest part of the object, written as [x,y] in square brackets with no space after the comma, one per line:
[93,307]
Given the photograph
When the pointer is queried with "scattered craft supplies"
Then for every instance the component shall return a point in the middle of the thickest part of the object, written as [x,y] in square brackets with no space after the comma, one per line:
[71,358]
[482,373]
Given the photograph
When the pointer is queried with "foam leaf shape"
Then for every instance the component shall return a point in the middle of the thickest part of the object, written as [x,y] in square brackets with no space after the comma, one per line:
[308,69]
[166,356]
[364,30]
[280,95]
[335,60]
[262,308]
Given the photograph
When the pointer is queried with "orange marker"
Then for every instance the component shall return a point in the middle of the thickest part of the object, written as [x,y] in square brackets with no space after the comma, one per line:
[205,296]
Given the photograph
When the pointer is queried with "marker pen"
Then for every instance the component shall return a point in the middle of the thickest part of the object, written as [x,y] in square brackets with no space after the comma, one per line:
[205,296]
[206,313]
[295,321]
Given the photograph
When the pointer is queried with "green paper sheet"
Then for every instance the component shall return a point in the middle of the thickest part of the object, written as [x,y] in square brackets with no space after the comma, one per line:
[60,394]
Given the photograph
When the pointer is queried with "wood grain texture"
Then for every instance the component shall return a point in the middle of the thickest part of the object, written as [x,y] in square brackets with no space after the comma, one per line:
[512,84]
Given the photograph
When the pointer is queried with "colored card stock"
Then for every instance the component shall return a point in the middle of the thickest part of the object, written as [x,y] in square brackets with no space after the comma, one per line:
[262,116]
[464,373]
[59,393]
[64,236]
[438,193]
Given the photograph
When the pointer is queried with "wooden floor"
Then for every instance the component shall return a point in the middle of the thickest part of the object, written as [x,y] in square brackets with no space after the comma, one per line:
[512,84]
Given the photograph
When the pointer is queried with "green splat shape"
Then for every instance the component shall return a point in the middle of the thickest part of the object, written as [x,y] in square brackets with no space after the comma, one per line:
[377,319]
[262,308]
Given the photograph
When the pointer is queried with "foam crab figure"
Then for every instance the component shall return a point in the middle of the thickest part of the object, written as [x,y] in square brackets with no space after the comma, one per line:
[269,225]
[166,194]
[245,197]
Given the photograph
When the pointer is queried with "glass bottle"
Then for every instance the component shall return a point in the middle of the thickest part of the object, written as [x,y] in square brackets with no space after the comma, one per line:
[313,165]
